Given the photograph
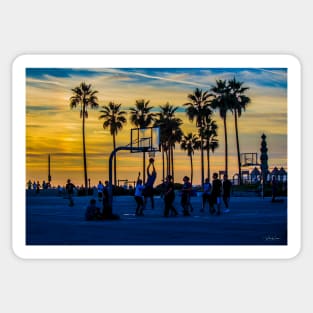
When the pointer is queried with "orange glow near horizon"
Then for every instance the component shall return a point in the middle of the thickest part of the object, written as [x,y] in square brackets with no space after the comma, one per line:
[53,128]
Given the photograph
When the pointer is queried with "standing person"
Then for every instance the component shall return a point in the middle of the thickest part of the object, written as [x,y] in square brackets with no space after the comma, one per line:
[169,197]
[216,193]
[37,187]
[139,197]
[274,189]
[151,177]
[100,188]
[70,190]
[226,192]
[206,196]
[185,196]
[107,213]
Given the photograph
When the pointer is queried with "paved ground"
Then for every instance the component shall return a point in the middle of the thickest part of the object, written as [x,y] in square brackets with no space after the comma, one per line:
[251,221]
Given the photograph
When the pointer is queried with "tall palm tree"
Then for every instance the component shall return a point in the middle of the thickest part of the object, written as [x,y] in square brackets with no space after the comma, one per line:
[175,135]
[170,133]
[190,143]
[84,96]
[239,102]
[210,141]
[198,108]
[141,117]
[114,119]
[221,101]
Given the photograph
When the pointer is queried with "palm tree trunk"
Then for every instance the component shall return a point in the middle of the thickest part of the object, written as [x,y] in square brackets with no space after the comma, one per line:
[172,162]
[208,159]
[191,169]
[84,150]
[238,149]
[167,162]
[202,162]
[144,168]
[226,146]
[114,166]
[163,163]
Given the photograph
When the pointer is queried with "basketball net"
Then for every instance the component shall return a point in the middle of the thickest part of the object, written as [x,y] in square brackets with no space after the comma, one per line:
[151,154]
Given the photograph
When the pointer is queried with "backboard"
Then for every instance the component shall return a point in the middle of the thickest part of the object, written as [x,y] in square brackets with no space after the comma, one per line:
[145,139]
[249,159]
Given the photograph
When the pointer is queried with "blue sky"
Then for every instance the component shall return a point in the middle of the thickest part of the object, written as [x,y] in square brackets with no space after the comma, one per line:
[53,128]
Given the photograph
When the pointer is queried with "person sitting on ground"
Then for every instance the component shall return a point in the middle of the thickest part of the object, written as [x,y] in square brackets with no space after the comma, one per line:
[93,212]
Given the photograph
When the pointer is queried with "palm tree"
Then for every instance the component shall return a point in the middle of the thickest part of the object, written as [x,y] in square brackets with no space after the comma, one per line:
[142,118]
[210,141]
[221,101]
[170,133]
[190,143]
[84,96]
[198,108]
[114,119]
[239,101]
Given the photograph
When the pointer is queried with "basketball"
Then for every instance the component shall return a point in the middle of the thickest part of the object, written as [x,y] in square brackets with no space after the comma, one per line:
[151,160]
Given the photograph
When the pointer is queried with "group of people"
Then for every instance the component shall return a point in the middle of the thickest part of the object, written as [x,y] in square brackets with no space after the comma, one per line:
[213,194]
[143,192]
[93,212]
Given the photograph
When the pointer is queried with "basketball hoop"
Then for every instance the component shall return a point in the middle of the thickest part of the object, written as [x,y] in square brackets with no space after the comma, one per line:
[151,154]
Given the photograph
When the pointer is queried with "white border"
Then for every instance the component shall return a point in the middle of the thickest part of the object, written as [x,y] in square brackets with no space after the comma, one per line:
[156,252]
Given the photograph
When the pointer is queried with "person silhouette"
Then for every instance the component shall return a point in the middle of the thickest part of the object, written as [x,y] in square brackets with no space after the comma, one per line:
[148,191]
[70,191]
[93,212]
[216,193]
[206,196]
[185,196]
[227,185]
[169,197]
[139,197]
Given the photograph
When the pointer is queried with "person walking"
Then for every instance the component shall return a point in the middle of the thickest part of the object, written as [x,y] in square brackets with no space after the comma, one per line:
[70,190]
[206,196]
[169,197]
[185,196]
[139,197]
[227,185]
[216,194]
[148,190]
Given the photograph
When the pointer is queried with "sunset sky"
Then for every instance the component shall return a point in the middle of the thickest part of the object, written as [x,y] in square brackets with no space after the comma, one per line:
[53,128]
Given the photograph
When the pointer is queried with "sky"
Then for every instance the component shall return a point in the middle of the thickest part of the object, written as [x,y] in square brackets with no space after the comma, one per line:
[52,127]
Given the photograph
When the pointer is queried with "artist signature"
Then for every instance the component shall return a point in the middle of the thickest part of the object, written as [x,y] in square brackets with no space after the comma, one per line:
[272,238]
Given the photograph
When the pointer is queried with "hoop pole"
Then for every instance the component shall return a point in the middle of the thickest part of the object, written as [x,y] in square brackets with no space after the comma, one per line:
[113,153]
